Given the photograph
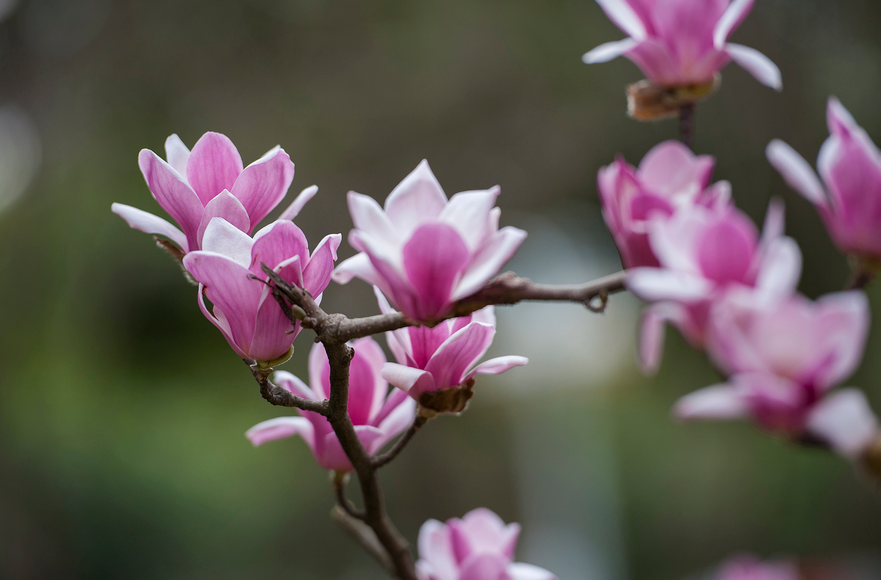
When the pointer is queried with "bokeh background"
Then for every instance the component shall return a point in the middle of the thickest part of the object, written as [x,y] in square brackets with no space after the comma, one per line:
[122,410]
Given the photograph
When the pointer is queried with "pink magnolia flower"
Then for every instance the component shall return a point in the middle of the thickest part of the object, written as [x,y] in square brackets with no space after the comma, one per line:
[850,165]
[196,186]
[748,567]
[702,254]
[443,357]
[669,177]
[244,308]
[477,547]
[682,42]
[377,414]
[426,252]
[782,358]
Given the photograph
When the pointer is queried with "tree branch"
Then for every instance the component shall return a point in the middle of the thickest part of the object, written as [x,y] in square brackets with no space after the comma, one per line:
[339,490]
[381,460]
[364,535]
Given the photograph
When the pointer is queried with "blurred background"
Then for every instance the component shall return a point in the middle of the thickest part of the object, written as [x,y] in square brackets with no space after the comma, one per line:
[122,410]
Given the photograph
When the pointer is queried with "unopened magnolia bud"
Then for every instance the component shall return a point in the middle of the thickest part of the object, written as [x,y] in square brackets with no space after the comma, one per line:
[449,400]
[647,101]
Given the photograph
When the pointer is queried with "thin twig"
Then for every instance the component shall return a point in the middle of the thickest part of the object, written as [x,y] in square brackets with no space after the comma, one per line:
[339,490]
[381,460]
[686,124]
[280,397]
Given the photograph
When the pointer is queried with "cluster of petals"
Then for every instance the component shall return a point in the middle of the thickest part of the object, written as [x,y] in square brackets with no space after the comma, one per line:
[782,358]
[669,177]
[229,272]
[424,251]
[377,414]
[196,186]
[704,253]
[477,547]
[430,359]
[850,166]
[748,567]
[682,42]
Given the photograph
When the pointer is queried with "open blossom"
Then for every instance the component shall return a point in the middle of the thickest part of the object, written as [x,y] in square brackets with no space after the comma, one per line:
[244,309]
[196,186]
[682,42]
[443,358]
[850,165]
[424,251]
[377,414]
[669,177]
[703,253]
[782,358]
[477,547]
[748,567]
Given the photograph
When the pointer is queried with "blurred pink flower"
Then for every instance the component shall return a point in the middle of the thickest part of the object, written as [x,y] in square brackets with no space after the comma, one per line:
[669,177]
[748,567]
[850,165]
[377,414]
[430,359]
[424,251]
[207,182]
[682,42]
[782,357]
[704,252]
[477,547]
[244,308]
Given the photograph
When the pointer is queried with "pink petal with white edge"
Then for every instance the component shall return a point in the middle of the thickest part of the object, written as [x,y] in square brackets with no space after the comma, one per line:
[221,237]
[273,331]
[224,206]
[520,571]
[279,241]
[176,153]
[369,217]
[468,213]
[731,19]
[408,379]
[651,334]
[487,262]
[292,384]
[230,288]
[458,353]
[609,51]
[319,371]
[498,365]
[358,266]
[334,458]
[281,428]
[655,284]
[172,193]
[436,551]
[482,530]
[317,273]
[845,325]
[716,402]
[620,12]
[672,170]
[483,566]
[417,199]
[434,257]
[845,421]
[213,165]
[780,270]
[775,221]
[398,420]
[839,120]
[756,64]
[263,184]
[796,171]
[299,203]
[150,224]
[220,321]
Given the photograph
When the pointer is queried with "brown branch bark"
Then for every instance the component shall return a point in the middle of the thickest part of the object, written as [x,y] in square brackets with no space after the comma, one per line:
[380,537]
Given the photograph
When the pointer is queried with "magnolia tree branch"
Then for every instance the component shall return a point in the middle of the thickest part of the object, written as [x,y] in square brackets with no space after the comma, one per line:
[372,526]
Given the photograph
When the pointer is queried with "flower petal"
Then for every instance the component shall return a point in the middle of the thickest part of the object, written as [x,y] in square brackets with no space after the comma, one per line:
[263,184]
[417,199]
[281,428]
[317,273]
[796,171]
[221,237]
[276,243]
[520,571]
[498,365]
[299,202]
[655,284]
[177,154]
[458,353]
[716,402]
[225,206]
[731,19]
[220,321]
[756,64]
[410,380]
[845,420]
[434,258]
[620,12]
[487,262]
[151,224]
[468,213]
[609,51]
[213,165]
[172,193]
